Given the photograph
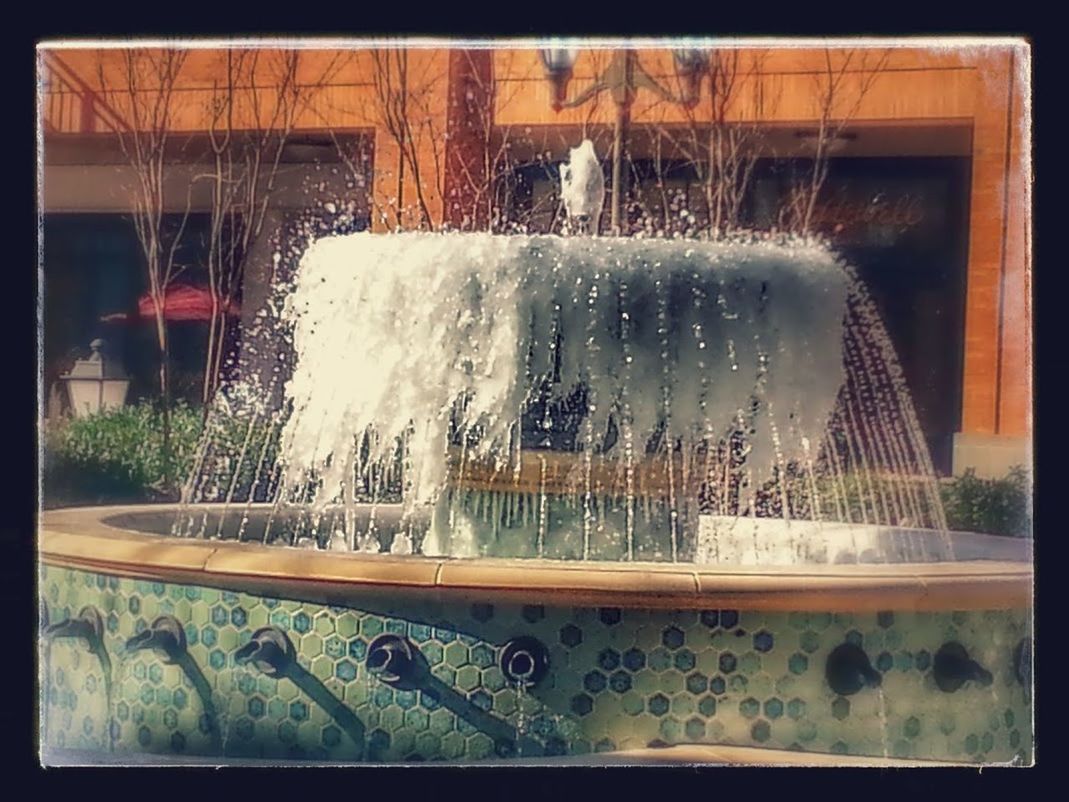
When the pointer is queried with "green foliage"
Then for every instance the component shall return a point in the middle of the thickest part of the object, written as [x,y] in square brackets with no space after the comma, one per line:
[241,455]
[992,506]
[117,455]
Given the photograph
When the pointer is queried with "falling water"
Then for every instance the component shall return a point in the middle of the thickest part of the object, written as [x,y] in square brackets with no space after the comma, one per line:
[233,697]
[521,716]
[883,721]
[585,398]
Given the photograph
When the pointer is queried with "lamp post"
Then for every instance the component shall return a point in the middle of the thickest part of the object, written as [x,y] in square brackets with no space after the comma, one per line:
[96,383]
[623,77]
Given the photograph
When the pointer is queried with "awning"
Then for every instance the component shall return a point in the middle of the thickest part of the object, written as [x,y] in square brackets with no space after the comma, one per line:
[181,303]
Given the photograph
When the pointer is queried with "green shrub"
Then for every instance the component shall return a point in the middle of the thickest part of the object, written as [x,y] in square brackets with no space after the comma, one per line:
[117,456]
[991,506]
[239,459]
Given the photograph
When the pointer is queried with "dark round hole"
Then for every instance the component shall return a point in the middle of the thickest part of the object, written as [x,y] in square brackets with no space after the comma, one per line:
[522,664]
[378,659]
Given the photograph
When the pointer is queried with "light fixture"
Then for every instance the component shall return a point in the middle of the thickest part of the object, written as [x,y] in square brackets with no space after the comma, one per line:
[558,62]
[691,63]
[833,143]
[622,78]
[96,383]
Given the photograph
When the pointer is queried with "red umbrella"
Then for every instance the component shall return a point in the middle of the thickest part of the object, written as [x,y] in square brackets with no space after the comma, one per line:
[181,302]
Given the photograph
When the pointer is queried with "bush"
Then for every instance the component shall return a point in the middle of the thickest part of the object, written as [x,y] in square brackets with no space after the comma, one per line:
[239,458]
[991,506]
[117,456]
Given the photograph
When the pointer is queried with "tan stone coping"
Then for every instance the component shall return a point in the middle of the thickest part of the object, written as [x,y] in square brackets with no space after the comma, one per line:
[80,538]
[697,754]
[683,754]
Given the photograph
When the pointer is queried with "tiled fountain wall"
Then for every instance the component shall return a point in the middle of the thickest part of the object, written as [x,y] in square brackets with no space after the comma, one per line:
[618,679]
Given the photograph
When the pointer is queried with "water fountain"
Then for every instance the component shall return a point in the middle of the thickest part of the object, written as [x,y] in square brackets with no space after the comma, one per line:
[548,497]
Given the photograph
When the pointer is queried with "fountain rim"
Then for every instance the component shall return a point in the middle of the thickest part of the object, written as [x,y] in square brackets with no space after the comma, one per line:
[82,539]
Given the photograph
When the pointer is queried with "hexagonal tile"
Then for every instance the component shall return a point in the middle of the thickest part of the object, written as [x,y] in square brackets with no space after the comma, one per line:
[749,707]
[334,647]
[441,721]
[467,678]
[684,660]
[370,626]
[660,659]
[582,704]
[658,704]
[456,654]
[324,624]
[620,682]
[482,655]
[796,709]
[609,615]
[773,708]
[633,704]
[672,637]
[220,616]
[347,625]
[694,729]
[761,731]
[345,670]
[571,635]
[634,659]
[707,706]
[798,663]
[912,726]
[299,711]
[840,708]
[749,663]
[594,682]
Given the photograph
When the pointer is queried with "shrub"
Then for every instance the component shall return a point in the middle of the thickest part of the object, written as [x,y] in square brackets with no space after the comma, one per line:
[239,458]
[991,506]
[117,455]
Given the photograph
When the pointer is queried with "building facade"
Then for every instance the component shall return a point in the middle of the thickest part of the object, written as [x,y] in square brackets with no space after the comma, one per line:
[926,190]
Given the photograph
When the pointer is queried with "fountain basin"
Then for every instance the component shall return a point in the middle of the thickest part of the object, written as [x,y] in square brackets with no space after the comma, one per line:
[640,654]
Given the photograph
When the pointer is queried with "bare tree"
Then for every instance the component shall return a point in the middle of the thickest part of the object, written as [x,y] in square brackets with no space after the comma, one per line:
[403,109]
[146,81]
[720,140]
[838,102]
[484,167]
[253,112]
[478,177]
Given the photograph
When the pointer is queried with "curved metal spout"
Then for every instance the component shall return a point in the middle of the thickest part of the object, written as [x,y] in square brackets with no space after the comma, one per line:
[71,628]
[953,667]
[165,635]
[269,650]
[848,670]
[395,661]
[88,625]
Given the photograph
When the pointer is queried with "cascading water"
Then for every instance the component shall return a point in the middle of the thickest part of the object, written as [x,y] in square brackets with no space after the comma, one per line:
[585,398]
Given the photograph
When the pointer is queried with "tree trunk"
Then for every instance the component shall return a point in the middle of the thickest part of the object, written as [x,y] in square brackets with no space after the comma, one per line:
[165,394]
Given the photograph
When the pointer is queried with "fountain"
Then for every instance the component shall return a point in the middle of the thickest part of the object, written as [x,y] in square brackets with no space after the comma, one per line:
[481,487]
